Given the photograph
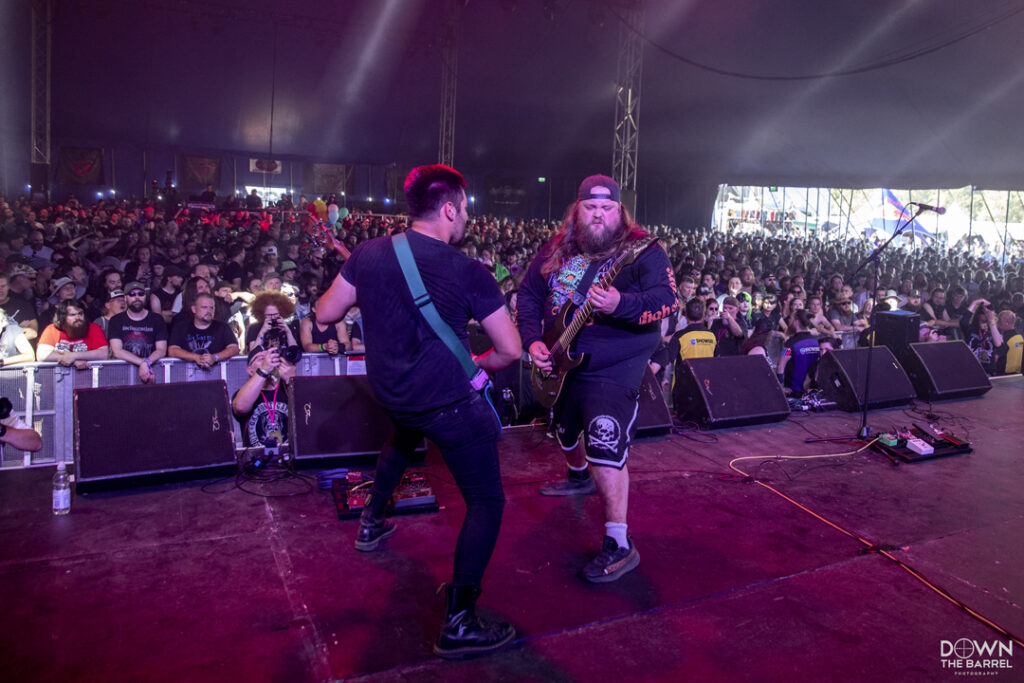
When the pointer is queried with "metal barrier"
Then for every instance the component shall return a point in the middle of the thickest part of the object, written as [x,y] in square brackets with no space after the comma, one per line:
[43,394]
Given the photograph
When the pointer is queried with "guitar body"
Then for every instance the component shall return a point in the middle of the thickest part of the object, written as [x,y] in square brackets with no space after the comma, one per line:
[548,385]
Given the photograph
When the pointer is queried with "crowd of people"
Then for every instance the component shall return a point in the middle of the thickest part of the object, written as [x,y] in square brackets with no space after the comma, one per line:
[137,281]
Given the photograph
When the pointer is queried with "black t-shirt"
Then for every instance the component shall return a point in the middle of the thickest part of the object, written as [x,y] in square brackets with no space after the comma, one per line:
[213,339]
[256,424]
[728,344]
[233,271]
[19,309]
[166,300]
[408,366]
[138,336]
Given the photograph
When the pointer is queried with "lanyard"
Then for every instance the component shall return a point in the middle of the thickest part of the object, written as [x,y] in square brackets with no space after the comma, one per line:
[271,410]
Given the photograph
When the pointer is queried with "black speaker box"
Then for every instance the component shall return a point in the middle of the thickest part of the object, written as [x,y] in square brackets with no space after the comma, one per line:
[944,370]
[842,373]
[653,417]
[729,391]
[897,330]
[335,416]
[152,430]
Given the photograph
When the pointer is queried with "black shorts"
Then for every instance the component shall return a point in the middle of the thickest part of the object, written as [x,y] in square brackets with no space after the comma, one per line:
[605,412]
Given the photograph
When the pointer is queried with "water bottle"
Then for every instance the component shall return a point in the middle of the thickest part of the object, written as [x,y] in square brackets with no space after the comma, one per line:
[61,491]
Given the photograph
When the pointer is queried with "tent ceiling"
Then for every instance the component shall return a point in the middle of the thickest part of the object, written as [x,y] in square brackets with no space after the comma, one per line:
[358,81]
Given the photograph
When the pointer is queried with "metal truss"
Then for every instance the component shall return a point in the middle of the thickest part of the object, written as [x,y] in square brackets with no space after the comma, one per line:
[627,96]
[42,19]
[449,74]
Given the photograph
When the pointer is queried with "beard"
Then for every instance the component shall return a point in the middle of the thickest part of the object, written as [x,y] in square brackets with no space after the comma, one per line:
[136,306]
[597,238]
[76,331]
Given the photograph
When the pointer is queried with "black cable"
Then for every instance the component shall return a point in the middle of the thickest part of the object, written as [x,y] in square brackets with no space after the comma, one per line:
[870,66]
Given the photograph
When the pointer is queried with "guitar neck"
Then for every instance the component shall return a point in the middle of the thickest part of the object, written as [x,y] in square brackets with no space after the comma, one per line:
[582,315]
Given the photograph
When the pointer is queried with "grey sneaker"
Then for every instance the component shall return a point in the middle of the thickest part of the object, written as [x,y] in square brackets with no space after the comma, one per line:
[611,563]
[571,487]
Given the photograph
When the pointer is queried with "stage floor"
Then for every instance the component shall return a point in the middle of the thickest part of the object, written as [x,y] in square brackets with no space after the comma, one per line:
[182,582]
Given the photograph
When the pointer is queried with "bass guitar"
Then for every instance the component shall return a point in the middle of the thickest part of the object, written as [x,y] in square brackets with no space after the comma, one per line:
[559,338]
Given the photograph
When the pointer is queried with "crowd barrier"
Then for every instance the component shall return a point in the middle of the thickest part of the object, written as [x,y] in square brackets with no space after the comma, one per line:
[43,394]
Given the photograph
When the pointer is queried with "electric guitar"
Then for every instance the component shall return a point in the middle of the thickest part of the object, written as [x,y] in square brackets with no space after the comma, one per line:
[559,338]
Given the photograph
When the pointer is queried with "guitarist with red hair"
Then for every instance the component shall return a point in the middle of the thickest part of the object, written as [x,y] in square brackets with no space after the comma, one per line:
[589,312]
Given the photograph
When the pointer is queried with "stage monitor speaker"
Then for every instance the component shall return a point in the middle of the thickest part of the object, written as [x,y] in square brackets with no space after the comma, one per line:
[652,417]
[152,430]
[729,391]
[944,370]
[335,416]
[897,330]
[842,373]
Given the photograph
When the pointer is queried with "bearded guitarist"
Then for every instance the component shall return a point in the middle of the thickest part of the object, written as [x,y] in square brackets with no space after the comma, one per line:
[598,399]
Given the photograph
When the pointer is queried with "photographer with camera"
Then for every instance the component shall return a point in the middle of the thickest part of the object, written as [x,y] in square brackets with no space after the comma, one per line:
[258,405]
[270,309]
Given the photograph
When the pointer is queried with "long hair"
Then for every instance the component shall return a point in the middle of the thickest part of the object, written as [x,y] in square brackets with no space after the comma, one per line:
[565,243]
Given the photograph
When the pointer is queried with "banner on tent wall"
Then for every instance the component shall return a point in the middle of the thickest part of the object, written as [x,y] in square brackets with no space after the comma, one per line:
[506,197]
[198,172]
[81,165]
[331,179]
[265,166]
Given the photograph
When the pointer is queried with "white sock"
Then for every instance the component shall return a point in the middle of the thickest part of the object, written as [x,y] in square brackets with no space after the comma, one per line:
[577,469]
[618,532]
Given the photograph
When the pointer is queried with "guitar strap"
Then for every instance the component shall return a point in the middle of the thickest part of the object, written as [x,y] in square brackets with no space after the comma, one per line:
[579,295]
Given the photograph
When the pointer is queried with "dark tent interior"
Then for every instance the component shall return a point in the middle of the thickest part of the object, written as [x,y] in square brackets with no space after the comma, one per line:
[895,93]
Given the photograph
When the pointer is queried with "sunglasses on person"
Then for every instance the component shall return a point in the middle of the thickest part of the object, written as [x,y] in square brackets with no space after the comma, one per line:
[136,292]
[712,309]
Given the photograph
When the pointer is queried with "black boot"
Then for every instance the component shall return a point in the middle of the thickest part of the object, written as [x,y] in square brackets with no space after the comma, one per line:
[463,634]
[373,528]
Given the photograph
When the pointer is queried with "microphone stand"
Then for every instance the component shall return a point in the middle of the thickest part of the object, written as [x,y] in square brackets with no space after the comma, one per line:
[874,257]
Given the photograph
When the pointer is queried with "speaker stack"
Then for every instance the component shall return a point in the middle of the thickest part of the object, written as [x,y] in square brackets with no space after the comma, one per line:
[842,375]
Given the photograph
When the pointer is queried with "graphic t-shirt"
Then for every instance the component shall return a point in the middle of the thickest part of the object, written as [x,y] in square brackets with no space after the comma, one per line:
[61,342]
[269,414]
[138,336]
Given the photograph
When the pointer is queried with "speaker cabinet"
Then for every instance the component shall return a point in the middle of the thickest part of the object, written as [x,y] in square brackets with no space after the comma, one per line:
[897,330]
[729,391]
[944,370]
[653,417]
[842,375]
[335,416]
[152,430]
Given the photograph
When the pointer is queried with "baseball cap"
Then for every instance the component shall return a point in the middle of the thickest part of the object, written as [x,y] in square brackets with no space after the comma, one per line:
[115,294]
[134,284]
[598,187]
[271,275]
[288,265]
[22,269]
[915,292]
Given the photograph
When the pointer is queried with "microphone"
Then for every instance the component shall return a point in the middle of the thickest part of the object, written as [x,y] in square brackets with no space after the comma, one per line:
[928,207]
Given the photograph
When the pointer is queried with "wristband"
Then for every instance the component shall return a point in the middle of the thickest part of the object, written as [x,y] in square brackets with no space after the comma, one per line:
[261,373]
[322,349]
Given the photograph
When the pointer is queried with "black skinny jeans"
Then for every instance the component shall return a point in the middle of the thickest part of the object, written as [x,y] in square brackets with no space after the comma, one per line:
[467,433]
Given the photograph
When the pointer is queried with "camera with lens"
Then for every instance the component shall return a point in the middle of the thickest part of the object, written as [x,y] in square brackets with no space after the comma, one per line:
[276,339]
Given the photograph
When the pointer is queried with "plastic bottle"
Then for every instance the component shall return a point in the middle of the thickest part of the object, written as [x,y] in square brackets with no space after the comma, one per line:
[61,491]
